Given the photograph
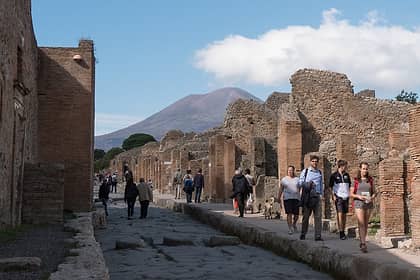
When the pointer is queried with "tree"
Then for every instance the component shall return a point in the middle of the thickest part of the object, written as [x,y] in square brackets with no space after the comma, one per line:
[137,140]
[98,154]
[410,97]
[103,162]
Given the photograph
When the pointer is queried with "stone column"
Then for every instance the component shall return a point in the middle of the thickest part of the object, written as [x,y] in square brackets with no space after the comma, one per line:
[257,158]
[392,196]
[229,166]
[414,140]
[289,141]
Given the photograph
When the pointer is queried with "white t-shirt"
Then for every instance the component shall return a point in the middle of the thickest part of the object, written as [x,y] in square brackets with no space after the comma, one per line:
[291,189]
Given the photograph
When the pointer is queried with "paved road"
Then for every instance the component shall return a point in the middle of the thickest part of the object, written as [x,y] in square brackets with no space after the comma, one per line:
[158,261]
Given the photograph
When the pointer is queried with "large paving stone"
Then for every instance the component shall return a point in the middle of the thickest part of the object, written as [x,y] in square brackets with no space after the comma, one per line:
[220,240]
[170,241]
[20,264]
[129,243]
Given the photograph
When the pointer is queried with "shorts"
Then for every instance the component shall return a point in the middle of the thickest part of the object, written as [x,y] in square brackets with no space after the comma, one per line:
[359,204]
[291,206]
[341,205]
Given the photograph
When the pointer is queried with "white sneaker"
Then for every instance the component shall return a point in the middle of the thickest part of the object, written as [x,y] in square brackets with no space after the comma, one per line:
[290,231]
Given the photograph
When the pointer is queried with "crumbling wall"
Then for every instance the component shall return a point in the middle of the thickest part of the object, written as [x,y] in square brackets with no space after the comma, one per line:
[328,108]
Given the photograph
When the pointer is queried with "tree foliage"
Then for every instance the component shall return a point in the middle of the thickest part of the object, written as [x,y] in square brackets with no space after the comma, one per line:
[103,162]
[137,140]
[98,154]
[410,97]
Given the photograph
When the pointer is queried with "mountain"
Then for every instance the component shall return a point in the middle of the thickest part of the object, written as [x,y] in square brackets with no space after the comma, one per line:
[196,112]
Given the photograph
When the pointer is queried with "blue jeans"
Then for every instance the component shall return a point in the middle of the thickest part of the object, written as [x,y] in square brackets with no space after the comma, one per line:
[198,194]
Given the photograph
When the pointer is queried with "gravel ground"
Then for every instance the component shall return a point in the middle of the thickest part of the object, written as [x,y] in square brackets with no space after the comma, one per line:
[45,242]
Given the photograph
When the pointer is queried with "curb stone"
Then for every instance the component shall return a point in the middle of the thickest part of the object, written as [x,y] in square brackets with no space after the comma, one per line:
[86,260]
[320,257]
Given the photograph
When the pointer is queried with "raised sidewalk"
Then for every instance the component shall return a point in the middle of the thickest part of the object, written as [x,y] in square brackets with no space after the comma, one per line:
[340,258]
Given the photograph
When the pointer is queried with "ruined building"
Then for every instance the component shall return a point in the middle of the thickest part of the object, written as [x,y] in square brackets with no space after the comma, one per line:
[321,115]
[46,123]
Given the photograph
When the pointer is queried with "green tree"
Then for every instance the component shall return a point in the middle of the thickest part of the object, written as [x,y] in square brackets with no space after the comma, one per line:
[137,140]
[98,154]
[103,163]
[410,97]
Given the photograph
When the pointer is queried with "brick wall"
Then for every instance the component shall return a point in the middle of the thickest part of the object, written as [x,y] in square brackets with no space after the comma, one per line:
[18,105]
[43,195]
[415,186]
[66,116]
[391,180]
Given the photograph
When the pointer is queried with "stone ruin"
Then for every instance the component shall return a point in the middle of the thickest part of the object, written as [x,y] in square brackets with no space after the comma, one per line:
[321,115]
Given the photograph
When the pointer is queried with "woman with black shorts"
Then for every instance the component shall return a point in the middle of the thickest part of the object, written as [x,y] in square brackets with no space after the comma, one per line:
[291,196]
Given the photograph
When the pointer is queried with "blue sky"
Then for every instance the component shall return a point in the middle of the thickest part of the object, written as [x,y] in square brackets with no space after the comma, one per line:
[152,53]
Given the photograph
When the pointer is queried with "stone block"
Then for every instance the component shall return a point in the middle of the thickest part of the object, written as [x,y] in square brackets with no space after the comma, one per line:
[20,264]
[222,240]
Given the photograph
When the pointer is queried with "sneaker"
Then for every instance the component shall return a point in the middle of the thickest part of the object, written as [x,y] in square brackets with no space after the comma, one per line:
[343,237]
[319,239]
[302,237]
[290,231]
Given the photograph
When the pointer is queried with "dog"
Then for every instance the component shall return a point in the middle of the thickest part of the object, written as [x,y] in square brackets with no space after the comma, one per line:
[272,209]
[249,204]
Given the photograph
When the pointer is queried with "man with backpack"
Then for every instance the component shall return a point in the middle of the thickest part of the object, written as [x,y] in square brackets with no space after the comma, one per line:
[188,185]
[311,183]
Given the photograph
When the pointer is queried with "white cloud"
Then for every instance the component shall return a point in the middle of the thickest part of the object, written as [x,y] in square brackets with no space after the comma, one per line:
[372,54]
[106,123]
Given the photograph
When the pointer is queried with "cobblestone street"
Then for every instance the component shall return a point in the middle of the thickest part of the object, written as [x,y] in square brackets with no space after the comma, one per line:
[157,260]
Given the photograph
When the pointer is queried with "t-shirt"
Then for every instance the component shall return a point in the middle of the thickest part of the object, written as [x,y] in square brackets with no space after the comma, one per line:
[340,184]
[291,188]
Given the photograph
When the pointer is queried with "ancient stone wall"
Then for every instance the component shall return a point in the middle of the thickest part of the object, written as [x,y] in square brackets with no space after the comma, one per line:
[18,104]
[66,118]
[415,187]
[43,195]
[328,108]
[247,118]
[276,99]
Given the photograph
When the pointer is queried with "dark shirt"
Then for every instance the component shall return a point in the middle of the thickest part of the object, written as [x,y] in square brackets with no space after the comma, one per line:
[198,180]
[131,191]
[240,185]
[104,190]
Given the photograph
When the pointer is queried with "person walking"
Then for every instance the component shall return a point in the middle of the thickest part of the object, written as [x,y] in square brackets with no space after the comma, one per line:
[114,181]
[240,190]
[290,191]
[252,195]
[198,184]
[188,186]
[340,183]
[130,194]
[311,179]
[145,196]
[176,183]
[363,193]
[104,194]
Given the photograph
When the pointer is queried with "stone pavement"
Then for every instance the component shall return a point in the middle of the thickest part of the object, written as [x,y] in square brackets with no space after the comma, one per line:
[338,257]
[161,251]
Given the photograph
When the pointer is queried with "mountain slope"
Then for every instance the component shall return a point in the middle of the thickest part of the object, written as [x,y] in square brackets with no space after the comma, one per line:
[196,112]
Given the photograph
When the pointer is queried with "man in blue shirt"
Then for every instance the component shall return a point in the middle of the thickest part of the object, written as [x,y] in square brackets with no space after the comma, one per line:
[312,176]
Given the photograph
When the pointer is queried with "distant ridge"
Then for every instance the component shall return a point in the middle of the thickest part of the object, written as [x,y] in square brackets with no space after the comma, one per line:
[195,112]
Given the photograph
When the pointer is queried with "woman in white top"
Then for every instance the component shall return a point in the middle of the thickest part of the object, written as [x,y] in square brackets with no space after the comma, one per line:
[290,191]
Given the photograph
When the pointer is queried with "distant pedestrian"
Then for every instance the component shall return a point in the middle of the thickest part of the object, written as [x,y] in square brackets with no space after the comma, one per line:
[145,196]
[176,183]
[104,194]
[188,186]
[130,194]
[312,184]
[150,183]
[198,184]
[114,182]
[340,183]
[363,193]
[251,197]
[240,190]
[290,190]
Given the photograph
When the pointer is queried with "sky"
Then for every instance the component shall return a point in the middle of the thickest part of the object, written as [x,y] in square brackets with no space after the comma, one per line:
[152,53]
